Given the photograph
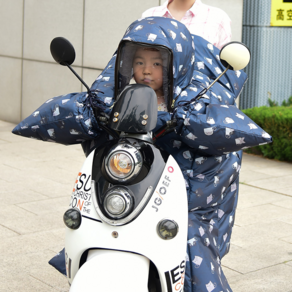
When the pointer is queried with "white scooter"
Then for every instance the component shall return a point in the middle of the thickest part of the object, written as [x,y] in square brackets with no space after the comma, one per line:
[132,225]
[128,216]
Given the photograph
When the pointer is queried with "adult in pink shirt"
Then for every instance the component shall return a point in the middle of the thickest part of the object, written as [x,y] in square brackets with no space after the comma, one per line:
[211,23]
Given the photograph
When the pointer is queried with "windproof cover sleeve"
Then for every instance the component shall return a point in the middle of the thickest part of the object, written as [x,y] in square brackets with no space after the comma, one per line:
[66,119]
[69,119]
[216,129]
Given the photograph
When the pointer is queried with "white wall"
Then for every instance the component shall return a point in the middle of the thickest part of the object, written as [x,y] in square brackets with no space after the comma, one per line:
[29,75]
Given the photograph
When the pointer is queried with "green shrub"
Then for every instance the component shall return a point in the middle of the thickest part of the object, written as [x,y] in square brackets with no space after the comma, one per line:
[273,103]
[277,121]
[287,103]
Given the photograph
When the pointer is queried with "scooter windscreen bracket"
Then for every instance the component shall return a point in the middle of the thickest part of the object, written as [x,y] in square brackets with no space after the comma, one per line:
[135,110]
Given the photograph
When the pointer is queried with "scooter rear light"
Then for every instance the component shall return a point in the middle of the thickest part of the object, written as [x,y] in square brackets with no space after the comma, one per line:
[72,218]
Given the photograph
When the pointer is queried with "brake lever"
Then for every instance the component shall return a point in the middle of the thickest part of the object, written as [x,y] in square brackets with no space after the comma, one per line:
[169,127]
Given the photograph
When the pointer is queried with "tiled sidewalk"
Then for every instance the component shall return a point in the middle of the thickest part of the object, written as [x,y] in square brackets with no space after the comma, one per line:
[36,180]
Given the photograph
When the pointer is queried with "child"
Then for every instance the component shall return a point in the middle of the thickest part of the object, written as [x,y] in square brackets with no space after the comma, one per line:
[160,52]
[148,70]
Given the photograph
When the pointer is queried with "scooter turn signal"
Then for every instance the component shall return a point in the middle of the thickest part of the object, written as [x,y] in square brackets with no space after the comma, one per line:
[167,229]
[72,218]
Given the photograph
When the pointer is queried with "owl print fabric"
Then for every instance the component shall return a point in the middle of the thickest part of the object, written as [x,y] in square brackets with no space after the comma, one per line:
[69,119]
[207,142]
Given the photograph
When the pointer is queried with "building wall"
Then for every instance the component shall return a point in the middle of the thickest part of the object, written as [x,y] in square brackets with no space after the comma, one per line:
[270,67]
[28,73]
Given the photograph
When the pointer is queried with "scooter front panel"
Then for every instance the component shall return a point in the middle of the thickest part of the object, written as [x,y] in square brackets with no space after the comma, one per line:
[169,200]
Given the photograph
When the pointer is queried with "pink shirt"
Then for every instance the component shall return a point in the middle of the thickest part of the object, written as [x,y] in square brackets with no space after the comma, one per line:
[211,23]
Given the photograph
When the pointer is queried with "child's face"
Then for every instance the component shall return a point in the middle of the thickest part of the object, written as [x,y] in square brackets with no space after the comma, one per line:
[147,69]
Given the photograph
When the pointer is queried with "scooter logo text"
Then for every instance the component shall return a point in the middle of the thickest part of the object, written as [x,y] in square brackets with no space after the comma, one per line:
[81,196]
[175,278]
[162,191]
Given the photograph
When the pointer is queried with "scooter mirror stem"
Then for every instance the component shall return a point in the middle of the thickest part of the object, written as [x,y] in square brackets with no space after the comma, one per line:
[206,89]
[218,77]
[88,90]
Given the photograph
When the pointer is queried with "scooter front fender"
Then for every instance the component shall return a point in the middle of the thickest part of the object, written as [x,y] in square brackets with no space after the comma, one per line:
[111,270]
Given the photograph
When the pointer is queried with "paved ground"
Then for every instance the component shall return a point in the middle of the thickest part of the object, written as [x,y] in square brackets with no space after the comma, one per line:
[36,179]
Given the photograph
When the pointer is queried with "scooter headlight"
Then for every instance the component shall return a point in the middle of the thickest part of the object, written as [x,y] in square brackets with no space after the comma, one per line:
[118,202]
[123,162]
[115,204]
[120,165]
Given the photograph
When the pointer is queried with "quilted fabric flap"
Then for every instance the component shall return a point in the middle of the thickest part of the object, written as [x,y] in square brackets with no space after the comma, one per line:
[220,130]
[66,119]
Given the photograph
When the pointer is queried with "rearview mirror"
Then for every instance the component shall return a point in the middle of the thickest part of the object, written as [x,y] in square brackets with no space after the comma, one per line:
[236,55]
[62,51]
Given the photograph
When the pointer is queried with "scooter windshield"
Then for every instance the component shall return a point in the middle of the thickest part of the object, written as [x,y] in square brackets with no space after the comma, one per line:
[140,63]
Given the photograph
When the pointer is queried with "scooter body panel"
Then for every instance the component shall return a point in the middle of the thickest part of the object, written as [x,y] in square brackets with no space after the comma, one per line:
[169,200]
[94,274]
